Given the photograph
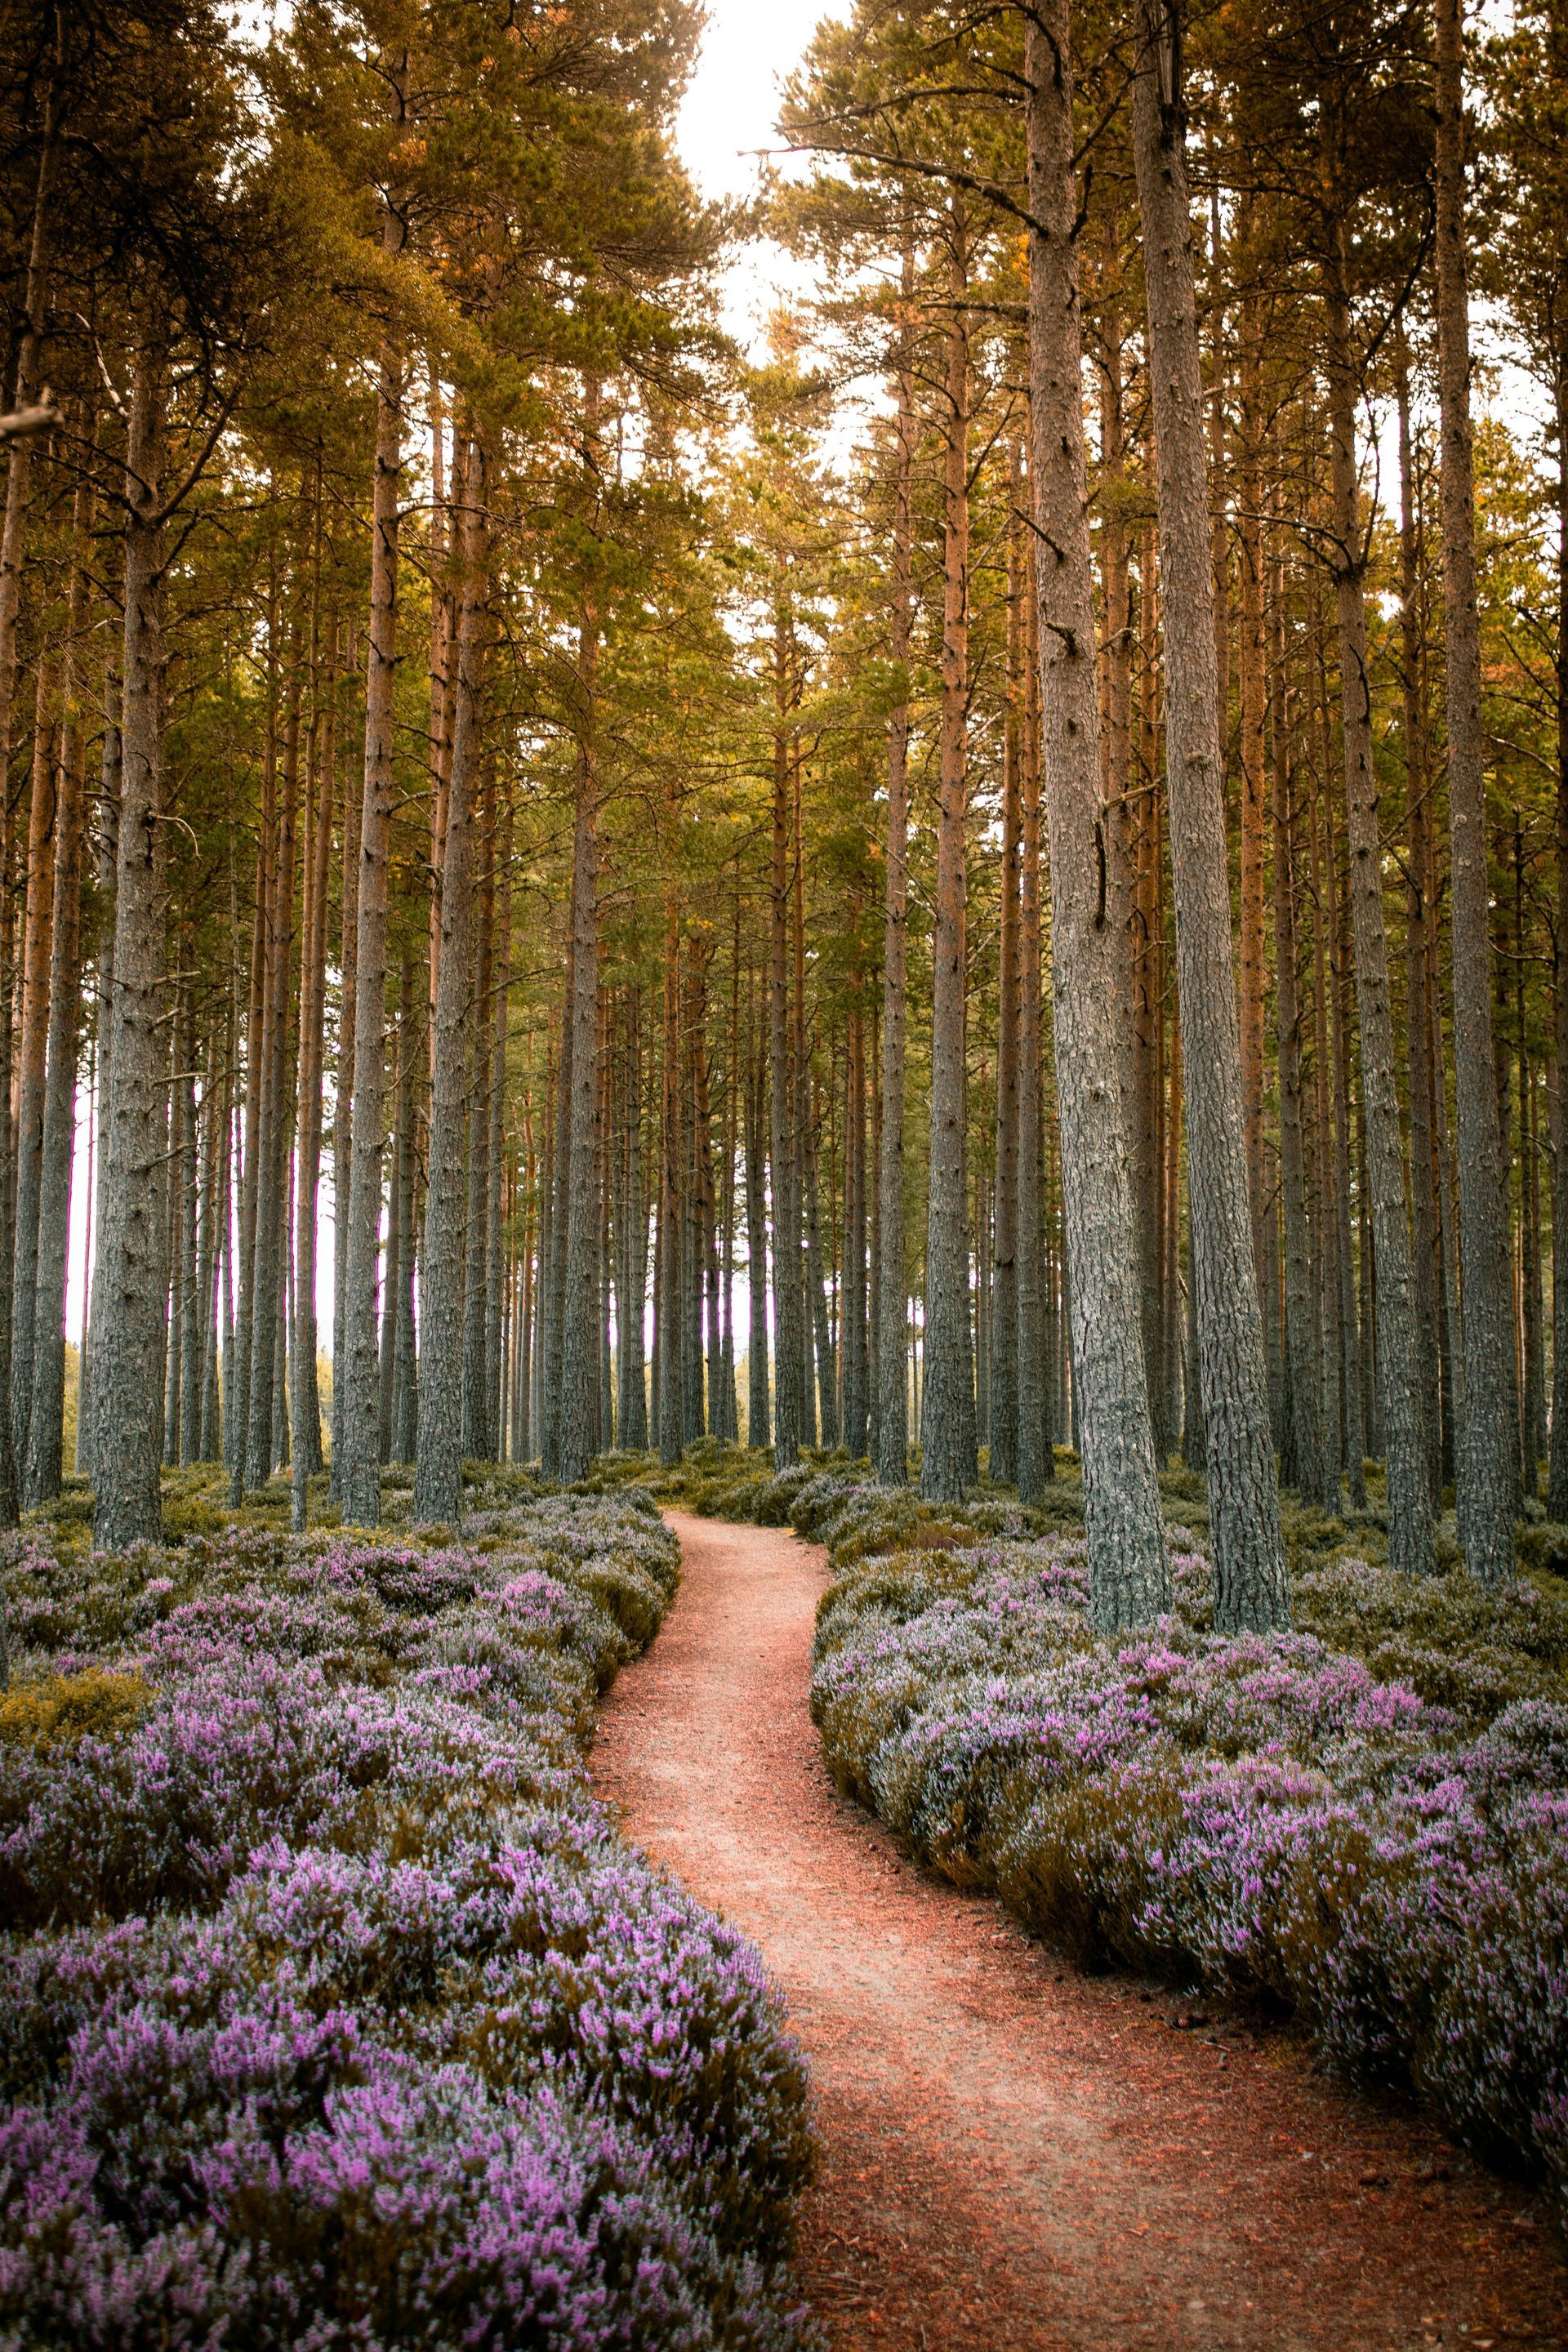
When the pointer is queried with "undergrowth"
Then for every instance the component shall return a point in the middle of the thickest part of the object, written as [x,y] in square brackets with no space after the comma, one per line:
[333,2009]
[1363,1822]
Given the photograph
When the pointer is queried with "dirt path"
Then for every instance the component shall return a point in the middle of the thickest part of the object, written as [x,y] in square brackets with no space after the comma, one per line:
[1017,2156]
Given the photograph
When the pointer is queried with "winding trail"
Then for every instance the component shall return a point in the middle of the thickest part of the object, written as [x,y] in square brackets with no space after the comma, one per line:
[1018,2157]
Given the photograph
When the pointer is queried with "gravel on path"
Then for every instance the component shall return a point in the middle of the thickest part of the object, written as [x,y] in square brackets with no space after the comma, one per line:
[1018,2157]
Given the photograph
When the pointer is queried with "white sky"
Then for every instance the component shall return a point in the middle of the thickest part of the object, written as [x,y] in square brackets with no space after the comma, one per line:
[728,115]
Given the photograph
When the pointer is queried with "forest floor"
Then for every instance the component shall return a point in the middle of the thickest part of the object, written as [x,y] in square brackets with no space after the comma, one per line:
[1016,2155]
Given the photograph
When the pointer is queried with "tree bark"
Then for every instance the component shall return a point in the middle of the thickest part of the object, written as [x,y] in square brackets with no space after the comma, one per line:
[1409,1481]
[1248,1555]
[947,1458]
[1004,1365]
[1488,1466]
[438,1455]
[31,1059]
[359,1479]
[1420,935]
[892,1419]
[1557,1468]
[580,1343]
[1129,1574]
[42,1461]
[128,1507]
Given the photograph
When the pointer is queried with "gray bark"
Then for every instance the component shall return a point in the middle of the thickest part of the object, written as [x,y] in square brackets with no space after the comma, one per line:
[1487,1464]
[1129,1574]
[1004,1365]
[128,1374]
[947,1416]
[359,1473]
[580,1335]
[438,1455]
[42,1462]
[1404,1429]
[1244,1505]
[890,1431]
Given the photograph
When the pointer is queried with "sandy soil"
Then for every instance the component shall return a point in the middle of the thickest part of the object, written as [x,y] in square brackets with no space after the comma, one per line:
[1018,2156]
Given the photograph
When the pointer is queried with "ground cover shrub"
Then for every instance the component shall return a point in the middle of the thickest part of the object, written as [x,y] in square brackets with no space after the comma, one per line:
[1363,1821]
[333,2009]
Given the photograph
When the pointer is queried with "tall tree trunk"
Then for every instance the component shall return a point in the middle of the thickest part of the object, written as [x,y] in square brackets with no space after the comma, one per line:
[580,1345]
[438,1454]
[128,1507]
[1037,1421]
[947,1458]
[495,1224]
[1420,937]
[631,1305]
[788,1403]
[857,1391]
[1303,1326]
[1557,1475]
[1252,653]
[272,1196]
[1487,1479]
[42,1463]
[1248,1554]
[757,1404]
[31,1060]
[1003,1368]
[405,1353]
[1129,1574]
[476,1261]
[1405,1425]
[359,1478]
[306,1404]
[892,1419]
[342,1103]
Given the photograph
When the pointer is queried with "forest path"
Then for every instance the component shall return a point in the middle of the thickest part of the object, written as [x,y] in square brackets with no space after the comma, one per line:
[1016,2155]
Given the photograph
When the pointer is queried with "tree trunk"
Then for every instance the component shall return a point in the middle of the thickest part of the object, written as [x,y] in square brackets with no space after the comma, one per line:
[272,1197]
[359,1477]
[475,1260]
[1253,665]
[128,1507]
[1129,1574]
[1487,1479]
[891,1432]
[1037,1421]
[438,1454]
[757,1404]
[1409,1479]
[1003,1366]
[1248,1555]
[343,1107]
[495,1225]
[947,1458]
[1303,1326]
[42,1462]
[788,1403]
[31,1060]
[1557,1475]
[1420,935]
[579,1353]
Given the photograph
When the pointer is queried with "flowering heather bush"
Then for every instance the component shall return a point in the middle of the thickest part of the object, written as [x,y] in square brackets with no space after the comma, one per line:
[1377,1841]
[332,2008]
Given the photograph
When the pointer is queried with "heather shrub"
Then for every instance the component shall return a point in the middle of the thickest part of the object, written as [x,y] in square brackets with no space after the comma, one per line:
[1287,1817]
[331,2007]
